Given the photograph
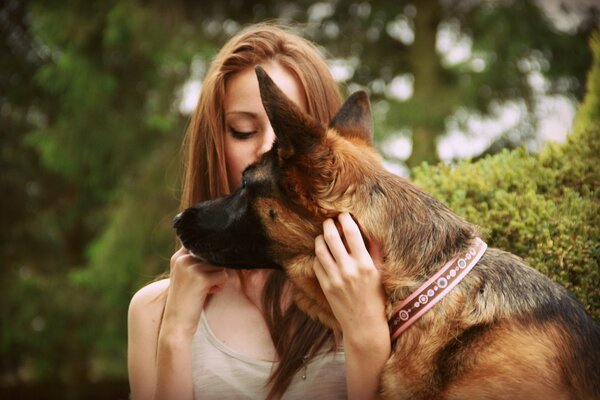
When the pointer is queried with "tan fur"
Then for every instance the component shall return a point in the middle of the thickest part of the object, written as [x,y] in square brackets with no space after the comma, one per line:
[504,332]
[510,361]
[515,357]
[507,358]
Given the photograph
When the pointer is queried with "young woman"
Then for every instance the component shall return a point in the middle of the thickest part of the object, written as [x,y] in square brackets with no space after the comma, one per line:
[210,332]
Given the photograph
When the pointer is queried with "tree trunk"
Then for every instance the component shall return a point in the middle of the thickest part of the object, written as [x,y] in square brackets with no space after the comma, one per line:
[425,64]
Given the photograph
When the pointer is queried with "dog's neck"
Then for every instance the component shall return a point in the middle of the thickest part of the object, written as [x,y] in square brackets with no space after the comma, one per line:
[434,289]
[424,235]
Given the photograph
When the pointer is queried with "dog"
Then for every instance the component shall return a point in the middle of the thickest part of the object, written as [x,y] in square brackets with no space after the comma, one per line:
[503,331]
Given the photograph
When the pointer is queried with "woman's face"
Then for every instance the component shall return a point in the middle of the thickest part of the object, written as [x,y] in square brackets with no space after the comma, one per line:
[248,132]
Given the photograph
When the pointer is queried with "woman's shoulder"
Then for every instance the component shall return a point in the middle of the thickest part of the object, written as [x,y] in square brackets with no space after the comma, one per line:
[150,299]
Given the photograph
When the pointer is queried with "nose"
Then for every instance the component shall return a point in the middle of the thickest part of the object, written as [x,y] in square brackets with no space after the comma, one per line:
[177,218]
[267,141]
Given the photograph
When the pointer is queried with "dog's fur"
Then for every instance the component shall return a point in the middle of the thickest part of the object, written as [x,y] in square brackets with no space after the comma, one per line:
[505,332]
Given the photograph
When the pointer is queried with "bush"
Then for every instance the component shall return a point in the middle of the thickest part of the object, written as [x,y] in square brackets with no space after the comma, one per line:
[543,207]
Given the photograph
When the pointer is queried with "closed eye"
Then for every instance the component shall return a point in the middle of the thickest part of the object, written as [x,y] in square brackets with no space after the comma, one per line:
[241,135]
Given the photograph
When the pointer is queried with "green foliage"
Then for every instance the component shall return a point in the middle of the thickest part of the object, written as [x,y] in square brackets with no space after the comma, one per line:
[84,159]
[90,131]
[133,249]
[544,208]
[511,40]
[589,112]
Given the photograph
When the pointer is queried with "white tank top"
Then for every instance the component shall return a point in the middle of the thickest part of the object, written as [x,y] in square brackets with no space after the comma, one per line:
[222,373]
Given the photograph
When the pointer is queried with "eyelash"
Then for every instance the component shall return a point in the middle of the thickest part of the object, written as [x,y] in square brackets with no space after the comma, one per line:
[241,135]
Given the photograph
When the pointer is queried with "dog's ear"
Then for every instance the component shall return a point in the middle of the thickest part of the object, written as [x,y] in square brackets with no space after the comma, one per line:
[296,132]
[354,119]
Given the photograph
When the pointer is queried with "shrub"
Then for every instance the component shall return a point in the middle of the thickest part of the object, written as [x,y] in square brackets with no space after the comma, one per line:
[543,207]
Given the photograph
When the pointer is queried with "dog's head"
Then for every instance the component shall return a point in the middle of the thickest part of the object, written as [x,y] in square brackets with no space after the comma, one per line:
[312,172]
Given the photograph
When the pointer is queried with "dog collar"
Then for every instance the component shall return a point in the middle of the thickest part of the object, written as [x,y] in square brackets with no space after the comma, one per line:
[432,291]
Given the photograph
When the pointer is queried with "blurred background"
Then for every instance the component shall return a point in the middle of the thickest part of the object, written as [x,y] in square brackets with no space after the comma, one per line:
[95,97]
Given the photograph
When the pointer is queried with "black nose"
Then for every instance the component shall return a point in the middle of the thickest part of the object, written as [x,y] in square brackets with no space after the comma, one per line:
[177,218]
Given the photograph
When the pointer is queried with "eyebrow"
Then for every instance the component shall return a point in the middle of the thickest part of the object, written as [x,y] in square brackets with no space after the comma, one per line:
[246,113]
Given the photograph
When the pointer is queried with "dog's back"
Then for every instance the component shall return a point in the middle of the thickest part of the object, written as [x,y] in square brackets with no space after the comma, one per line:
[563,339]
[513,334]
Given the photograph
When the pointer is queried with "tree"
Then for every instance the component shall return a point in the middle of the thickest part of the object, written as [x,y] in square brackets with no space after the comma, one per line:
[88,102]
[511,41]
[89,96]
[552,217]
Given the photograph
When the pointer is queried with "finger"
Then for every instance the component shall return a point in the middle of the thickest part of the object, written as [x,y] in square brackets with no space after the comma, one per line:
[217,280]
[176,259]
[358,246]
[327,284]
[320,272]
[326,260]
[356,243]
[192,262]
[182,250]
[334,242]
[211,277]
[185,261]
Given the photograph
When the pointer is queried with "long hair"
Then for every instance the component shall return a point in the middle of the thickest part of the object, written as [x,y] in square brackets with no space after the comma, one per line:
[297,338]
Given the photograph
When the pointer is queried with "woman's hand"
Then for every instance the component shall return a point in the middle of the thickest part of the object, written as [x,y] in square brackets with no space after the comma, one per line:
[349,276]
[190,282]
[352,285]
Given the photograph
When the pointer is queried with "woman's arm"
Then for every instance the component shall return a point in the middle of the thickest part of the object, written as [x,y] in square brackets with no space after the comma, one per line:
[143,324]
[352,285]
[159,353]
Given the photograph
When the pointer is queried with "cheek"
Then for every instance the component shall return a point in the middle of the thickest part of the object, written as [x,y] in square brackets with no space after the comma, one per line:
[238,157]
[234,173]
[234,179]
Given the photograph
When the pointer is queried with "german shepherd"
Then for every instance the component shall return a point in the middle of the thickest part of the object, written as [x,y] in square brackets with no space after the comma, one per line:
[504,332]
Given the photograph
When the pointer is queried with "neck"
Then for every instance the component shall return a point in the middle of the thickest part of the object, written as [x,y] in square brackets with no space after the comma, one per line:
[250,284]
[435,288]
[424,235]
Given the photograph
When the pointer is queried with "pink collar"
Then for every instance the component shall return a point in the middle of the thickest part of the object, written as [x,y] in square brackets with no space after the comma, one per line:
[432,291]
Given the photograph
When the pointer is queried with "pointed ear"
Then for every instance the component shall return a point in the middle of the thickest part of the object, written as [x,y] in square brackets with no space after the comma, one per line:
[296,132]
[354,119]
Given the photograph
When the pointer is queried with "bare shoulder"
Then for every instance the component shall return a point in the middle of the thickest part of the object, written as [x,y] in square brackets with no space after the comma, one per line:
[143,325]
[151,291]
[148,302]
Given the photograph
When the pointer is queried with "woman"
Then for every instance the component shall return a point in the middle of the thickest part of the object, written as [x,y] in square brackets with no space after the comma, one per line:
[221,333]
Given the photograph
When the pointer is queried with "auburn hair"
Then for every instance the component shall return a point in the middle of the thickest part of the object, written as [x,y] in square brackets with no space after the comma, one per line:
[296,337]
